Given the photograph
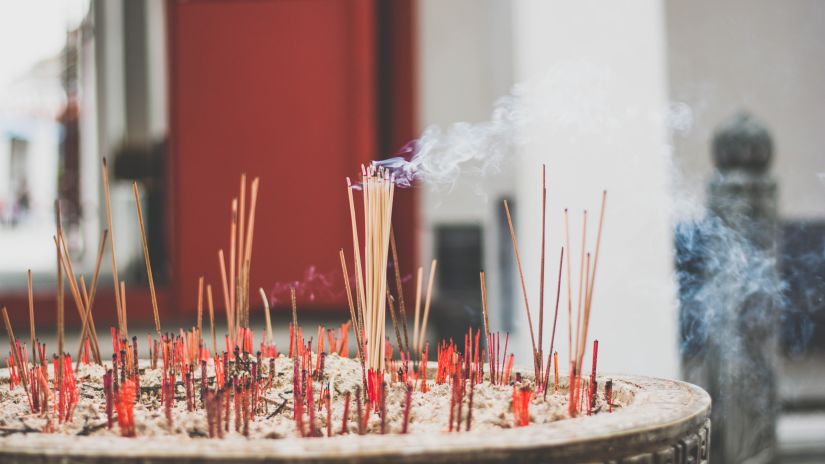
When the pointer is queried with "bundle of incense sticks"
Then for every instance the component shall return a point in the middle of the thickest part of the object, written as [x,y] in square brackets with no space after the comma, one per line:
[378,188]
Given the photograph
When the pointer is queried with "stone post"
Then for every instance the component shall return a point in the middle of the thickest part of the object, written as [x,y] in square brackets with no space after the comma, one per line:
[730,291]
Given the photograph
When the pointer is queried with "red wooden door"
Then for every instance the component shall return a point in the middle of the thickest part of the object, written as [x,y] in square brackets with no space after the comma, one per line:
[283,90]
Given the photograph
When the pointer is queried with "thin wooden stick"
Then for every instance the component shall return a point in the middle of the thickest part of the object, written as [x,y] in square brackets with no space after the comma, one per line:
[250,234]
[523,287]
[556,312]
[353,315]
[31,317]
[540,353]
[569,289]
[200,307]
[240,252]
[123,307]
[211,318]
[582,284]
[483,281]
[266,316]
[233,287]
[108,199]
[399,289]
[227,304]
[418,283]
[390,303]
[294,322]
[592,278]
[88,321]
[427,304]
[146,259]
[60,308]
[14,352]
[359,276]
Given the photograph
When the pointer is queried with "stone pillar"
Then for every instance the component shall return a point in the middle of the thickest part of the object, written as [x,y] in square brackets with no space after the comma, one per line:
[729,290]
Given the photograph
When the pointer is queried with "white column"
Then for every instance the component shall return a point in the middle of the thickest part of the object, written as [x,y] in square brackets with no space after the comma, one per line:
[597,79]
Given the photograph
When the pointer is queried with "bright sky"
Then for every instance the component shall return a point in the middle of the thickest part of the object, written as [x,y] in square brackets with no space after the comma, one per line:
[31,30]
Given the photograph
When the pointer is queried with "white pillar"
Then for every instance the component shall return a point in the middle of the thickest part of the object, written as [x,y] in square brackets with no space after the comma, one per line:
[597,74]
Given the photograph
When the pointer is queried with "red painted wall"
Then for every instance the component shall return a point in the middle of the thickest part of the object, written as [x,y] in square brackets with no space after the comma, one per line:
[280,89]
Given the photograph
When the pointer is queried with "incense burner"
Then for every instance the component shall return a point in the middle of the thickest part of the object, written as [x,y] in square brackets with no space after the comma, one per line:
[661,421]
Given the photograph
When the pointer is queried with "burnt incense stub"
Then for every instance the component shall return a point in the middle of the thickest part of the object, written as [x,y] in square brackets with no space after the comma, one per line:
[655,421]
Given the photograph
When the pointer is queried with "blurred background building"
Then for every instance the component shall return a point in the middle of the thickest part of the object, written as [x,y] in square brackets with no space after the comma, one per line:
[184,96]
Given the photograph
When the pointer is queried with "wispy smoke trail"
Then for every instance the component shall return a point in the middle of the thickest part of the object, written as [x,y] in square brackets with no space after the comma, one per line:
[577,103]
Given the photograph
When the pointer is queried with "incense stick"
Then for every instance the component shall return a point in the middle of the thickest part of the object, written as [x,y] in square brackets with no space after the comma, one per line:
[592,278]
[483,281]
[123,307]
[523,286]
[250,234]
[200,307]
[240,244]
[233,287]
[31,317]
[390,301]
[418,279]
[211,318]
[14,351]
[266,316]
[582,284]
[540,353]
[353,315]
[359,277]
[146,259]
[60,312]
[569,289]
[556,312]
[89,322]
[226,292]
[294,322]
[399,289]
[426,316]
[108,201]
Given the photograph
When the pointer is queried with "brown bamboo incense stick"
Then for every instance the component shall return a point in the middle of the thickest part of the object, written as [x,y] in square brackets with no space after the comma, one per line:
[294,322]
[483,281]
[88,327]
[233,243]
[556,312]
[200,307]
[359,276]
[250,235]
[426,316]
[580,340]
[236,311]
[66,264]
[146,259]
[390,303]
[230,327]
[418,283]
[267,316]
[108,199]
[85,294]
[31,317]
[540,353]
[592,277]
[399,289]
[523,287]
[211,318]
[582,284]
[123,307]
[358,326]
[60,312]
[14,352]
